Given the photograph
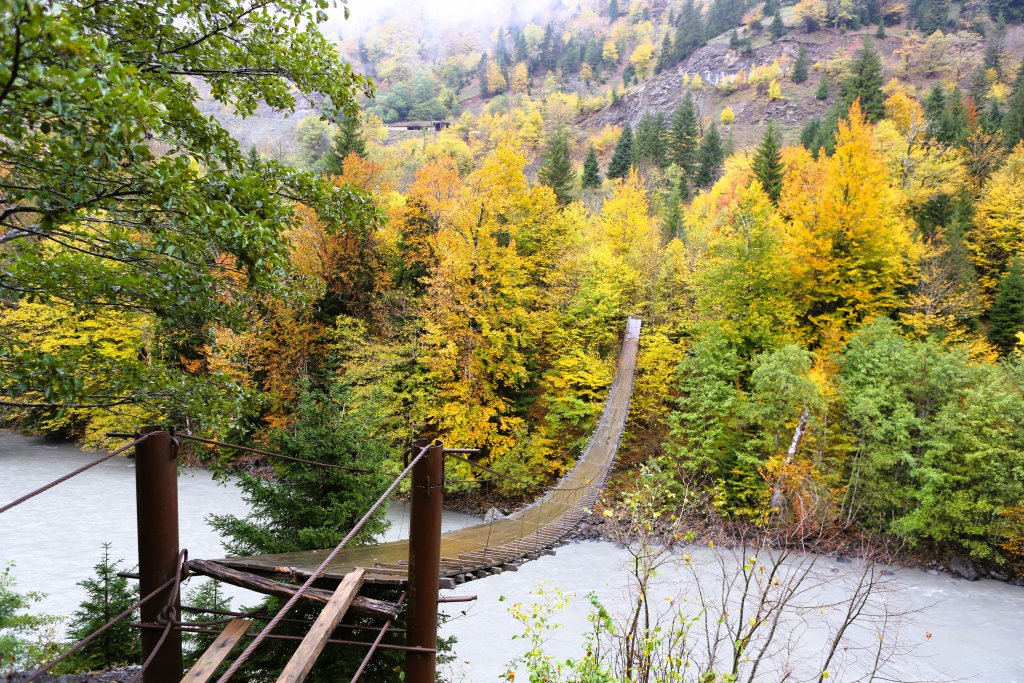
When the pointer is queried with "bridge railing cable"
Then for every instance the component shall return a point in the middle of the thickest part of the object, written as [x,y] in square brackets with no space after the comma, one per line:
[174,580]
[318,572]
[69,475]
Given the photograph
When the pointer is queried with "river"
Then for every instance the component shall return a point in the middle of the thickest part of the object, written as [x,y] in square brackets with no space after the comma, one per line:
[959,630]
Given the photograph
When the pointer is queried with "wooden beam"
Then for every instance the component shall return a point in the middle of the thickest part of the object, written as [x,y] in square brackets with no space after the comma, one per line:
[207,664]
[267,586]
[316,639]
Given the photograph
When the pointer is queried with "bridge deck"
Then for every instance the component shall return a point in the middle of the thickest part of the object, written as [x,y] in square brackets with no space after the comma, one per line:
[493,544]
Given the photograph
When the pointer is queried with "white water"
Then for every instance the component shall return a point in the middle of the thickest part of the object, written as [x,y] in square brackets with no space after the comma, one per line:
[55,538]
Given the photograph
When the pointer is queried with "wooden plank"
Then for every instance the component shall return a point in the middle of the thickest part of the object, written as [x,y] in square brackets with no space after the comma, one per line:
[267,586]
[208,662]
[313,644]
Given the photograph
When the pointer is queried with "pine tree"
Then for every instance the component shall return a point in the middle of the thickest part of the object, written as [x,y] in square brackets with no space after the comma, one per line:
[348,140]
[710,156]
[1006,318]
[822,93]
[649,140]
[777,27]
[800,66]
[613,10]
[1013,118]
[864,82]
[684,137]
[767,164]
[591,171]
[622,157]
[556,167]
[107,595]
[880,31]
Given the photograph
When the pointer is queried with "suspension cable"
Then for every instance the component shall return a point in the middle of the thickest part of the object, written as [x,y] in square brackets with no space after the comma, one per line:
[69,475]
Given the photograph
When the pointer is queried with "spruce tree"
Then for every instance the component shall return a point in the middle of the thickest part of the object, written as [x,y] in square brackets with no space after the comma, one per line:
[684,137]
[865,82]
[622,157]
[107,595]
[1013,118]
[767,164]
[556,167]
[591,171]
[822,93]
[1006,318]
[800,66]
[613,10]
[777,27]
[649,140]
[710,158]
[348,140]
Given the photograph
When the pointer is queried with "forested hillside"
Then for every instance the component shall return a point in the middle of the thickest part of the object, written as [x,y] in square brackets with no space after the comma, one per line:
[817,209]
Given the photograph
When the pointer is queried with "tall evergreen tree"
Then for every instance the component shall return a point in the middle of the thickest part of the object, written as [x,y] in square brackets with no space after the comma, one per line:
[1013,118]
[777,27]
[1006,318]
[347,140]
[865,82]
[666,56]
[822,93]
[800,66]
[622,157]
[710,157]
[613,10]
[591,177]
[556,167]
[649,140]
[106,596]
[767,164]
[684,137]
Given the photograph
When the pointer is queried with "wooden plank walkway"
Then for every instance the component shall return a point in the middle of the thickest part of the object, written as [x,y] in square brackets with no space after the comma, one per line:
[490,547]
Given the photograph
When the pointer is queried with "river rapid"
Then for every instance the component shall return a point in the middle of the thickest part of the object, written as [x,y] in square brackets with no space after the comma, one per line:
[958,630]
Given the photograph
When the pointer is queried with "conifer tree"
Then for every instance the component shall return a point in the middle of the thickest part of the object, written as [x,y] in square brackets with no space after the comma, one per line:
[710,158]
[1006,318]
[1013,118]
[556,168]
[107,595]
[591,171]
[822,93]
[777,27]
[684,137]
[622,157]
[864,82]
[768,166]
[347,140]
[613,10]
[800,66]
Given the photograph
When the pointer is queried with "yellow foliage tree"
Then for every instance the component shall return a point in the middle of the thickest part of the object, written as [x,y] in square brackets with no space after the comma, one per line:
[998,233]
[853,250]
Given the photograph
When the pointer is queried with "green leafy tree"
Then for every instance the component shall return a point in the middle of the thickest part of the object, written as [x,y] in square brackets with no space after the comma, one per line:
[710,158]
[26,639]
[864,81]
[800,66]
[622,157]
[107,595]
[556,167]
[1006,319]
[591,177]
[767,164]
[93,215]
[348,140]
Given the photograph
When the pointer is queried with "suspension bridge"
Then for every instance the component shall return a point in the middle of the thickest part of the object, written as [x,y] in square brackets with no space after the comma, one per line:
[416,568]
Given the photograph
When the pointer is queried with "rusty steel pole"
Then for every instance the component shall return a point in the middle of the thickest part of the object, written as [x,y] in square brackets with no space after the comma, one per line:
[424,563]
[156,501]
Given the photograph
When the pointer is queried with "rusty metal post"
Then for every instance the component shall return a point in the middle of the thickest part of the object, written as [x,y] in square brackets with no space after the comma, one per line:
[424,562]
[156,501]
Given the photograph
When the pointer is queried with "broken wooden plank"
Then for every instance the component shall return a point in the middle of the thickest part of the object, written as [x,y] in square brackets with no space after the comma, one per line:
[218,651]
[361,604]
[313,644]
